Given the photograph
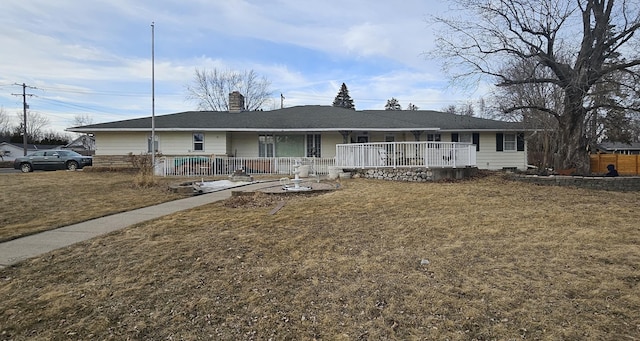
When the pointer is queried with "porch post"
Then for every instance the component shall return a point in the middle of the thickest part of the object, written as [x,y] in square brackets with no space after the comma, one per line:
[345,135]
[416,134]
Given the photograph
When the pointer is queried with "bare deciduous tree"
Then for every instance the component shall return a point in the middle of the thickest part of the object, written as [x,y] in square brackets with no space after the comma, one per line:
[36,123]
[82,120]
[210,89]
[576,43]
[465,109]
[5,123]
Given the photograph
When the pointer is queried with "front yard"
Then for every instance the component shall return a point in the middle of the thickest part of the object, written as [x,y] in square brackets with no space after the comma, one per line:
[40,201]
[483,259]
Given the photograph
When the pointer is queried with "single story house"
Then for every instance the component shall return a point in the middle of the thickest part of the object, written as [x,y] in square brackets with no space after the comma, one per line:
[9,151]
[302,131]
[84,144]
[632,148]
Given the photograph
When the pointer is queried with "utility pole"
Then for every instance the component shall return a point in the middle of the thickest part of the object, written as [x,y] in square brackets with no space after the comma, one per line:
[25,106]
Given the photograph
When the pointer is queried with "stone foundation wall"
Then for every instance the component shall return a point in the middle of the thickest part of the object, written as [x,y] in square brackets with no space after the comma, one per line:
[620,183]
[414,174]
[112,161]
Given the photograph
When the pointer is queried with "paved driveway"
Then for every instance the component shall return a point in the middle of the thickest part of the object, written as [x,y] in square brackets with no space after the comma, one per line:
[9,170]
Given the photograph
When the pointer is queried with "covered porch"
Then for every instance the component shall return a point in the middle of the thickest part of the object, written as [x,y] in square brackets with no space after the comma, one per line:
[418,154]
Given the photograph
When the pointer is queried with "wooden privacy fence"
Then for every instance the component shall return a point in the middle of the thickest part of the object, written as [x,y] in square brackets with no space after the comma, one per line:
[625,164]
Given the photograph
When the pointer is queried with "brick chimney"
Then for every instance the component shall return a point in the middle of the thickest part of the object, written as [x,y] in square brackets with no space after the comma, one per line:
[236,102]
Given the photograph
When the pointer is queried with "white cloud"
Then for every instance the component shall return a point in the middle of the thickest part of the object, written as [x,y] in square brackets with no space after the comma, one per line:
[94,57]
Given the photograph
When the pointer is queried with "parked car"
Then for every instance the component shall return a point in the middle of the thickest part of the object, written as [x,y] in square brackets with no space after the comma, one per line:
[51,160]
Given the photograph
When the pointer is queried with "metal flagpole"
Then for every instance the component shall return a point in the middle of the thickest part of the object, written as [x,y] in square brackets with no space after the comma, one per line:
[153,102]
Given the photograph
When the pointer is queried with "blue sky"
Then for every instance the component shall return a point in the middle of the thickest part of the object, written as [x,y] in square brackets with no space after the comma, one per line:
[94,57]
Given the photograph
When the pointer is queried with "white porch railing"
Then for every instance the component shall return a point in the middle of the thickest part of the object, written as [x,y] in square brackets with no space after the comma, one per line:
[406,155]
[220,165]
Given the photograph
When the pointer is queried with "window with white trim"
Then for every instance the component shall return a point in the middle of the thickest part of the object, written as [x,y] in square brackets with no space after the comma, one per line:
[510,142]
[314,145]
[198,141]
[465,137]
[434,137]
[265,145]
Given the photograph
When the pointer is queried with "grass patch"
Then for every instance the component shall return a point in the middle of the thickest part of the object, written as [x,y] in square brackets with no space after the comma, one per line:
[506,261]
[40,201]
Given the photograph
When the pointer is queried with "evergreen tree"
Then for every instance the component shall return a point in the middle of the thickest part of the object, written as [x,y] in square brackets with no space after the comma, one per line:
[343,99]
[392,104]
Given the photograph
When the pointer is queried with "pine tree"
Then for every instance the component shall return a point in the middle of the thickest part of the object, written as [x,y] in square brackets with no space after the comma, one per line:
[392,104]
[343,99]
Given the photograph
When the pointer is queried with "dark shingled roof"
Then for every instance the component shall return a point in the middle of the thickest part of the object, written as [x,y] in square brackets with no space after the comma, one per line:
[307,118]
[614,146]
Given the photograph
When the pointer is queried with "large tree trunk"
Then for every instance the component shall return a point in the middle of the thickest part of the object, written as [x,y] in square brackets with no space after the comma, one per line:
[573,149]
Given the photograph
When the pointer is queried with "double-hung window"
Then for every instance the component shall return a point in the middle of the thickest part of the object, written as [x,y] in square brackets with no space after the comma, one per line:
[465,137]
[434,137]
[265,145]
[510,142]
[314,142]
[473,138]
[198,141]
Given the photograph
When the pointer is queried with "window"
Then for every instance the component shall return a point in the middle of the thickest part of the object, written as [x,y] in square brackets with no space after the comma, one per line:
[265,145]
[389,138]
[198,141]
[473,138]
[149,150]
[289,145]
[434,137]
[509,142]
[465,137]
[362,139]
[314,142]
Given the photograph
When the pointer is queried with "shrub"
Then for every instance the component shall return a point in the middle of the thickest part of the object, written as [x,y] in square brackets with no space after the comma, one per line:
[143,164]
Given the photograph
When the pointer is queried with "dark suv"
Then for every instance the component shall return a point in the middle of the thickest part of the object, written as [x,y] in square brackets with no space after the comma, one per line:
[51,160]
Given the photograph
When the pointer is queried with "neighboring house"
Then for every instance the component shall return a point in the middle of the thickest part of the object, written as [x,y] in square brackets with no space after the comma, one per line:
[11,151]
[85,145]
[619,148]
[303,131]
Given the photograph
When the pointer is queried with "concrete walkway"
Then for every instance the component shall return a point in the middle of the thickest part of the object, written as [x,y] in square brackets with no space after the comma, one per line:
[17,250]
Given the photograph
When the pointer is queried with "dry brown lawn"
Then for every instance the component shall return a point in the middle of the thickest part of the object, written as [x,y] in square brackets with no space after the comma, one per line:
[486,259]
[39,201]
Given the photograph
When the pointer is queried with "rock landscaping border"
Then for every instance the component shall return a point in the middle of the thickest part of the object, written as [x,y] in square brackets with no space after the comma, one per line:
[620,183]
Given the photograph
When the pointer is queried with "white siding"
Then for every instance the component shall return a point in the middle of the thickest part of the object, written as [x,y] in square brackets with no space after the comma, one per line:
[10,152]
[169,143]
[119,143]
[329,142]
[489,158]
[244,144]
[181,143]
